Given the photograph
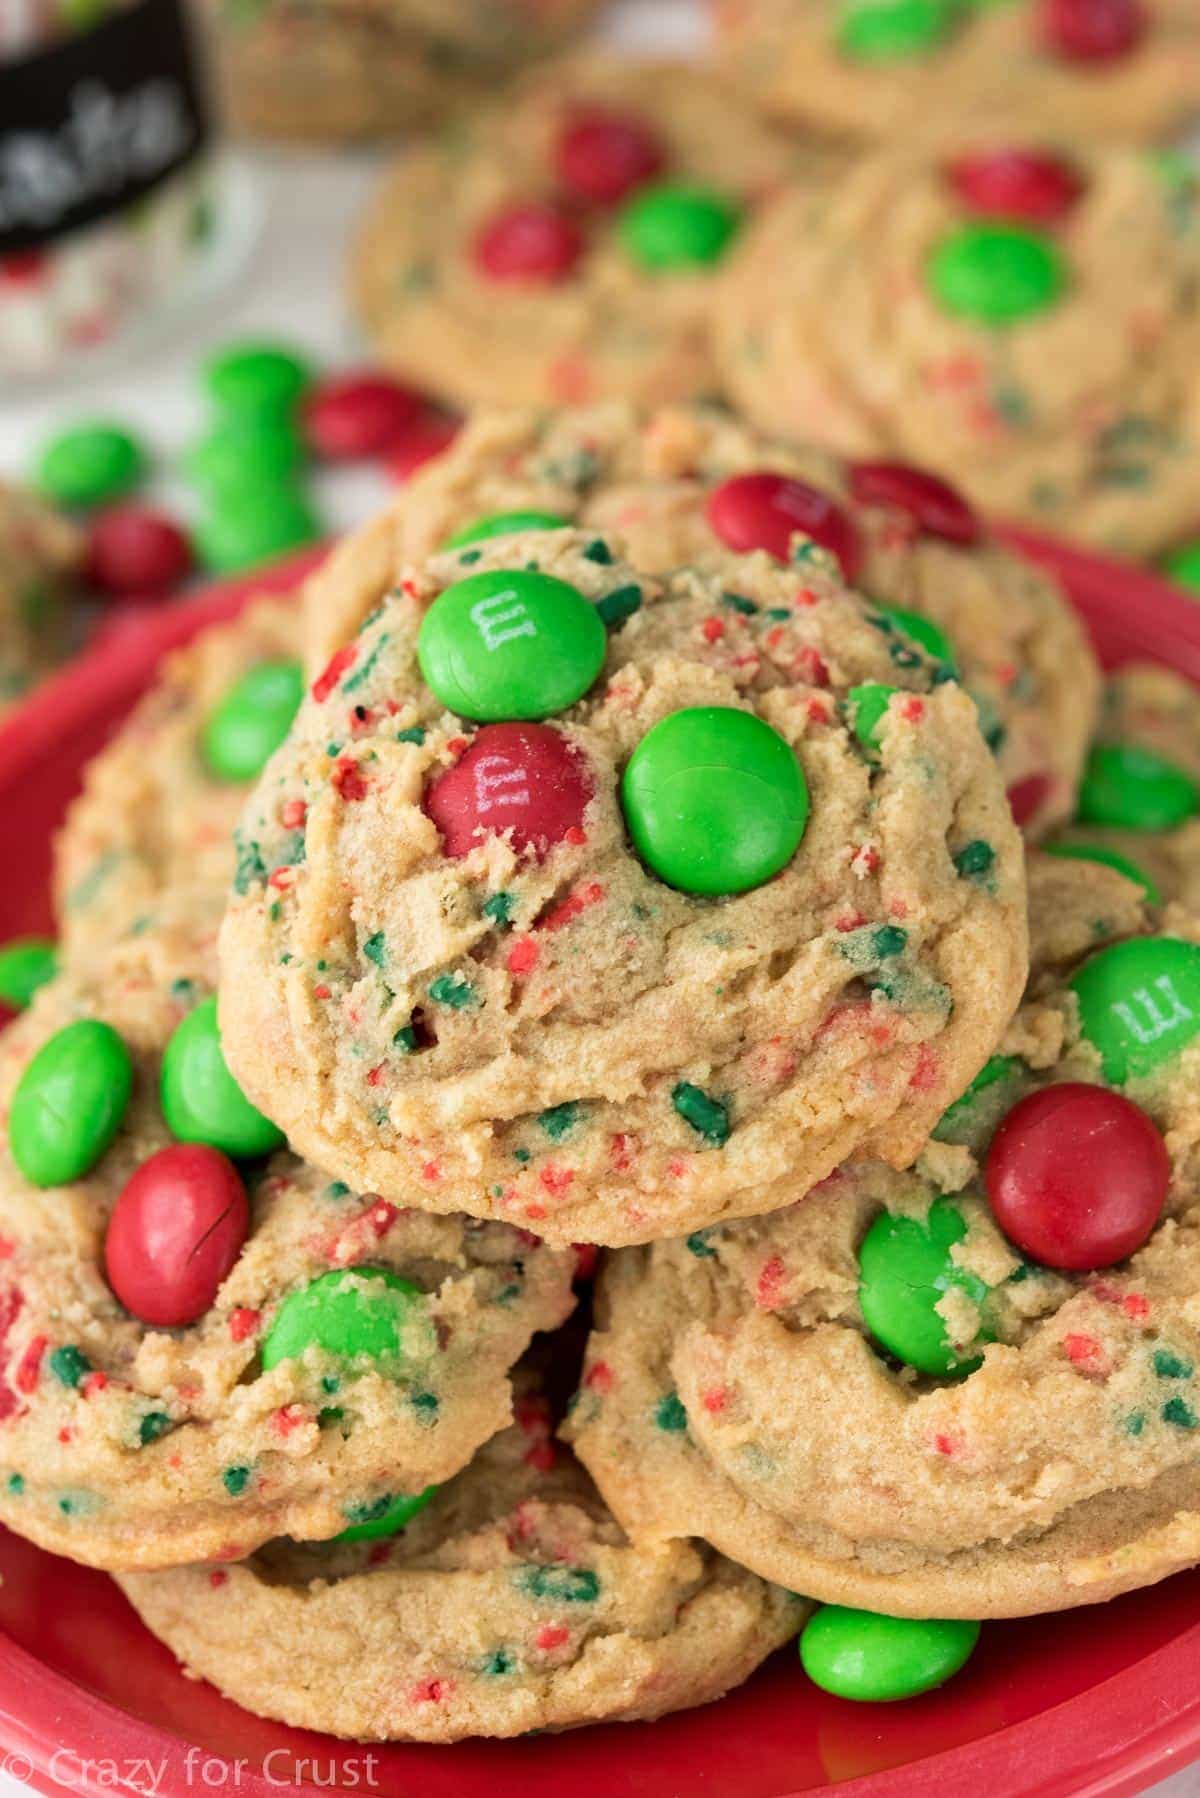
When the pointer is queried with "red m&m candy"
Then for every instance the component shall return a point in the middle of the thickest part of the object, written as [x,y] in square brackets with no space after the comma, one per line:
[523,780]
[1027,797]
[176,1230]
[1016,184]
[1091,30]
[1077,1176]
[931,503]
[358,415]
[427,438]
[602,156]
[134,550]
[528,243]
[765,511]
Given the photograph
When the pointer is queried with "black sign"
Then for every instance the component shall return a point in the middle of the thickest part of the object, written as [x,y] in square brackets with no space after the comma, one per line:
[96,122]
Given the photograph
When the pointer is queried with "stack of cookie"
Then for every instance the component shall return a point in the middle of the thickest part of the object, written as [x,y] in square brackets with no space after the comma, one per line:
[615,848]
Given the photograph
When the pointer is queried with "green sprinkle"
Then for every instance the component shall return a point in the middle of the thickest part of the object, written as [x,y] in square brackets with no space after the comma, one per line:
[889,939]
[1180,1413]
[498,1662]
[619,605]
[669,1414]
[1135,1423]
[565,1585]
[522,1155]
[738,603]
[426,1405]
[364,671]
[375,949]
[250,865]
[412,733]
[337,1189]
[69,1364]
[974,859]
[16,1484]
[153,1425]
[699,1245]
[1169,1366]
[405,1040]
[558,1120]
[235,1480]
[598,551]
[708,1117]
[452,990]
[499,908]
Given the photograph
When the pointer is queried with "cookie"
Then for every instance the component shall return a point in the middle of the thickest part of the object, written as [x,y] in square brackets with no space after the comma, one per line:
[39,553]
[561,245]
[974,314]
[1139,806]
[886,69]
[965,1391]
[756,901]
[200,1350]
[338,70]
[676,485]
[511,1602]
[160,802]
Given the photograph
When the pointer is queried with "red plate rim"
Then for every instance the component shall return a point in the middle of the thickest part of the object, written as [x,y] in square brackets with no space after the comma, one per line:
[1113,1739]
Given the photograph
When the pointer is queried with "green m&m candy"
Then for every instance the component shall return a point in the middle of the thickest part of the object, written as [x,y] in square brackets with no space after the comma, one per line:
[256,379]
[889,30]
[504,524]
[868,705]
[509,645]
[875,1659]
[714,800]
[246,452]
[253,524]
[90,464]
[1108,858]
[251,721]
[995,274]
[347,1313]
[201,1100]
[904,1270]
[69,1103]
[1136,789]
[675,224]
[387,1516]
[25,964]
[1139,1003]
[923,631]
[1183,565]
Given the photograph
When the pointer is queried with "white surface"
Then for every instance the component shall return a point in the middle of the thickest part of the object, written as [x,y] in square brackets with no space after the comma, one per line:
[292,290]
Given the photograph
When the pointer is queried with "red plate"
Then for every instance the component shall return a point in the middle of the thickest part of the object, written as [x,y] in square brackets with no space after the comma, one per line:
[1100,1700]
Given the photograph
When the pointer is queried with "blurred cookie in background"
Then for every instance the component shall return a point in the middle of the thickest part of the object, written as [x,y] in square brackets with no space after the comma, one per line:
[1020,319]
[562,245]
[882,69]
[336,70]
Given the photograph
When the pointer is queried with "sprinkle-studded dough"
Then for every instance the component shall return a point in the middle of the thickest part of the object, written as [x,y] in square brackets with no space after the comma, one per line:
[573,1045]
[122,1445]
[513,1602]
[732,1389]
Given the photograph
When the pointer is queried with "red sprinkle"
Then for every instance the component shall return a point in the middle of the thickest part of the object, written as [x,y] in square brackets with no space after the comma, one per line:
[1086,1353]
[768,1293]
[715,1399]
[243,1322]
[218,1578]
[431,1691]
[551,1635]
[337,665]
[348,779]
[523,956]
[572,905]
[95,1381]
[26,1376]
[599,1377]
[292,813]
